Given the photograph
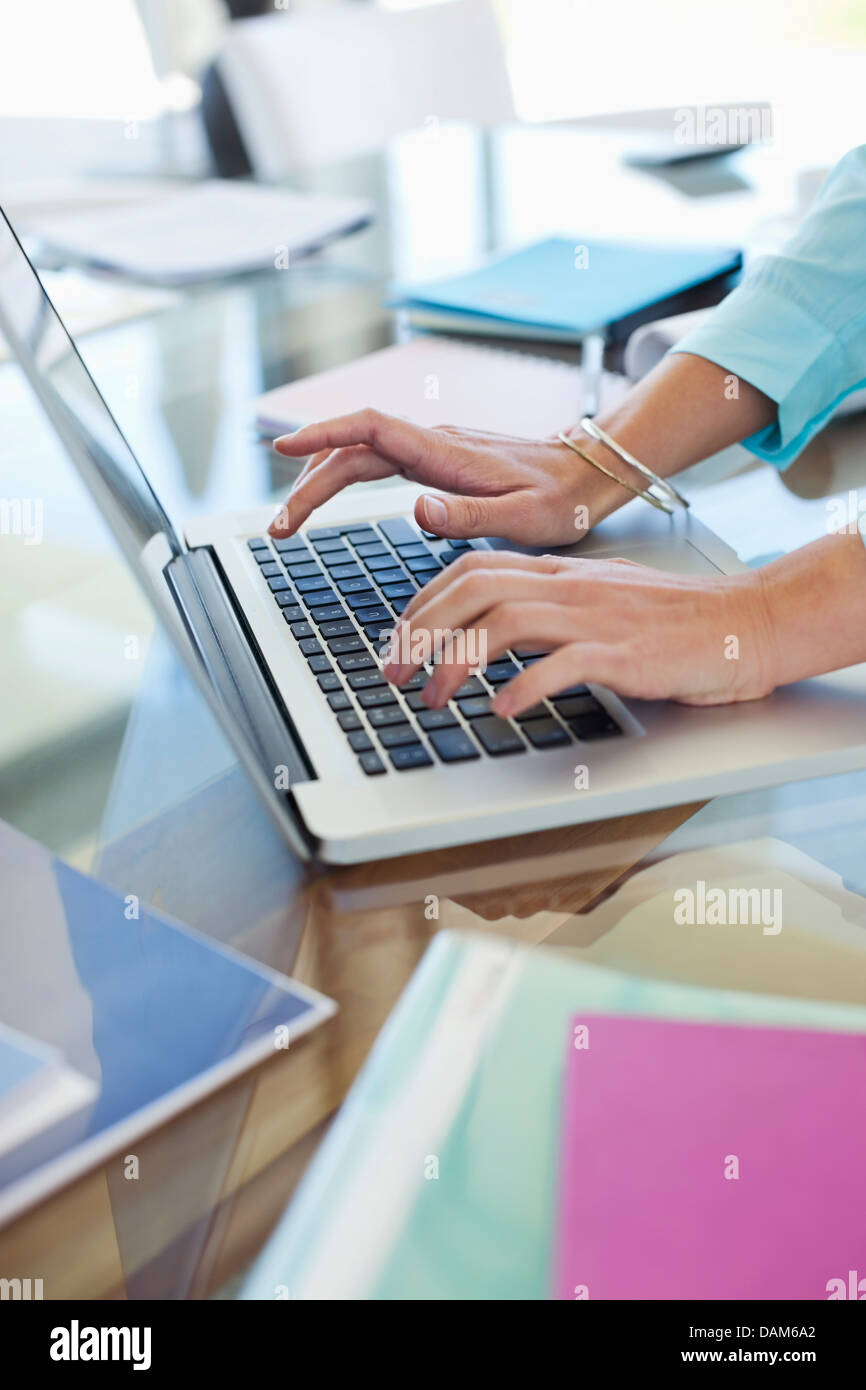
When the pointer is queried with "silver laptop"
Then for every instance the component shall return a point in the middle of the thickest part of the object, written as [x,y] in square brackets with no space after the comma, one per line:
[284,639]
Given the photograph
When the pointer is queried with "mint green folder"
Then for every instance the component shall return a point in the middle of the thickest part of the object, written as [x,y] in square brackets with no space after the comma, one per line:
[437,1180]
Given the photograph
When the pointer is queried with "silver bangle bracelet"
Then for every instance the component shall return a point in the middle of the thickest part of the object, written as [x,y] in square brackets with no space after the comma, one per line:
[602,437]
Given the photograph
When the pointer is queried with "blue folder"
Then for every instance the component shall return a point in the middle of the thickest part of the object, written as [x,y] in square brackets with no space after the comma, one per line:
[567,287]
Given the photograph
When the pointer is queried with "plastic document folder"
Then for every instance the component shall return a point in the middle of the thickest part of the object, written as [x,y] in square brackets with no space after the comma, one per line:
[561,288]
[710,1161]
[438,1179]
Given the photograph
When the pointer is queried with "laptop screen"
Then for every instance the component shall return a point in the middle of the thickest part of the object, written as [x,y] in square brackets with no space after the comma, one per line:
[35,335]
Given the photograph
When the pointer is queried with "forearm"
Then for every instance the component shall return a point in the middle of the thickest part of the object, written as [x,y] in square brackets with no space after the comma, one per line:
[684,410]
[814,600]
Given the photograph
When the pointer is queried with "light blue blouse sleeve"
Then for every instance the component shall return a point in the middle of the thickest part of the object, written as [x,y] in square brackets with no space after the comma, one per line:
[796,326]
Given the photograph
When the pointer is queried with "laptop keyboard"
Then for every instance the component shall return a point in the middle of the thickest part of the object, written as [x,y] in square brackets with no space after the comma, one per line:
[340,589]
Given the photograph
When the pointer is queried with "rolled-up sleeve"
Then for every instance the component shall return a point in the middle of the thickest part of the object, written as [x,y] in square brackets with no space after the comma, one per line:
[796,327]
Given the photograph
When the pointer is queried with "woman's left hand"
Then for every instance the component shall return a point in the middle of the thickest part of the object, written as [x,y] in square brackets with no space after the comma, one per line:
[642,632]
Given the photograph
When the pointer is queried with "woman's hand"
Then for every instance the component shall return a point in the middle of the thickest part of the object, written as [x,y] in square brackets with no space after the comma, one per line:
[531,491]
[642,632]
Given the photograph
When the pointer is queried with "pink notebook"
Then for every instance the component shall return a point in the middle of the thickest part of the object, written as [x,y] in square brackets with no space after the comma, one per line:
[710,1161]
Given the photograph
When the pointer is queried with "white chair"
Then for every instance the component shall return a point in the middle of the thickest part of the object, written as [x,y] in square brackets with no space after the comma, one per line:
[340,81]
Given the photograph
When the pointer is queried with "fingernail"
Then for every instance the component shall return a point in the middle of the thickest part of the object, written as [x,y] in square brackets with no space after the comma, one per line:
[290,435]
[435,513]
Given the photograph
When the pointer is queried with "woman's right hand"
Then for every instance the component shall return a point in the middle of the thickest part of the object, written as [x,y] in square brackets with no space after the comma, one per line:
[533,492]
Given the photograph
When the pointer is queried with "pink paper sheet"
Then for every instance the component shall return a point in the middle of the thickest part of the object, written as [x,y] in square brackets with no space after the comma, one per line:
[656,1113]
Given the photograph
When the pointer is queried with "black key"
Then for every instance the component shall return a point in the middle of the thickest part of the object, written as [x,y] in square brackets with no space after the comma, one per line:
[416,682]
[499,671]
[320,665]
[278,584]
[573,706]
[341,628]
[359,533]
[364,599]
[257,543]
[396,735]
[364,680]
[293,613]
[339,700]
[526,649]
[460,545]
[471,686]
[296,543]
[398,531]
[411,548]
[326,546]
[476,707]
[372,550]
[447,557]
[303,570]
[384,562]
[453,745]
[327,612]
[424,576]
[330,681]
[534,712]
[571,690]
[359,585]
[497,736]
[430,535]
[412,755]
[347,572]
[302,629]
[372,699]
[324,533]
[414,698]
[285,597]
[376,631]
[340,645]
[270,570]
[315,581]
[263,557]
[349,719]
[378,613]
[318,598]
[436,718]
[389,714]
[392,575]
[371,763]
[401,602]
[355,661]
[393,591]
[590,726]
[421,562]
[546,733]
[310,647]
[360,741]
[339,557]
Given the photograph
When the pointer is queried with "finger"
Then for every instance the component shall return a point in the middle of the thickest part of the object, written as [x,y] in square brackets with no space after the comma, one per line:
[477,560]
[504,625]
[402,443]
[312,462]
[342,467]
[573,662]
[464,517]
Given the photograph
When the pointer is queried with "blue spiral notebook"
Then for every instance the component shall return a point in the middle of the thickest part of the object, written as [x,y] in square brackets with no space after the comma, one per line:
[562,288]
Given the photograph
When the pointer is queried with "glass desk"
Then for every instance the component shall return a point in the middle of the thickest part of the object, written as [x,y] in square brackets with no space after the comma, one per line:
[108,757]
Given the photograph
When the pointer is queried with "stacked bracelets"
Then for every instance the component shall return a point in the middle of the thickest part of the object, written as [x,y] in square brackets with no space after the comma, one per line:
[669,492]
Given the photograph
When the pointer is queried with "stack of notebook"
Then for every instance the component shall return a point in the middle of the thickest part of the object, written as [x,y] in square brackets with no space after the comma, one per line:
[529,1126]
